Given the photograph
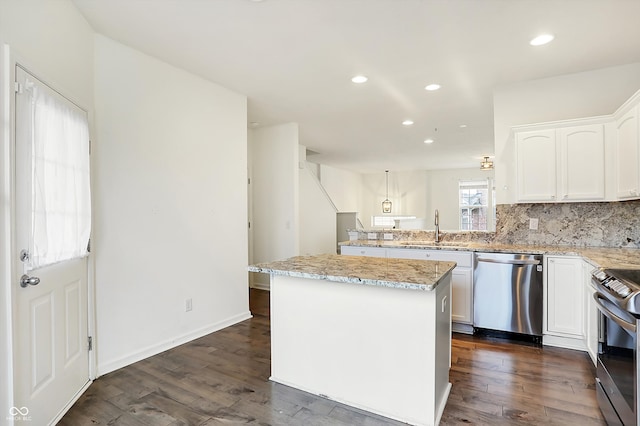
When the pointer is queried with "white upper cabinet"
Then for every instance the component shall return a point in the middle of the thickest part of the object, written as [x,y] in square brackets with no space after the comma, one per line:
[582,155]
[536,166]
[588,159]
[627,155]
[563,164]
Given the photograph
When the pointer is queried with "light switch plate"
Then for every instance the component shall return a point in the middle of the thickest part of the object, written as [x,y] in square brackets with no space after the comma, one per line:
[533,223]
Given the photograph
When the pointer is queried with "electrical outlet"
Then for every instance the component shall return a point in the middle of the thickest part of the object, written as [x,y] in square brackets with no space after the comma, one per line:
[372,236]
[188,304]
[533,223]
[386,236]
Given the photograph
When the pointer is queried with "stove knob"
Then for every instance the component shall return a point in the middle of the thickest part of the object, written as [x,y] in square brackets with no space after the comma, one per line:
[625,291]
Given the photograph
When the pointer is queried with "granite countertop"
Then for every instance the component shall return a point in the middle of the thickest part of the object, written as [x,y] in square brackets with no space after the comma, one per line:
[606,257]
[394,273]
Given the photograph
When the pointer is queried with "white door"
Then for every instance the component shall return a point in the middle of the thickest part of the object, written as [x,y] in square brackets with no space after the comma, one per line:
[51,354]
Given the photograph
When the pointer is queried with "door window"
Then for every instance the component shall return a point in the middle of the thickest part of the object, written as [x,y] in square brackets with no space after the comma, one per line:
[60,199]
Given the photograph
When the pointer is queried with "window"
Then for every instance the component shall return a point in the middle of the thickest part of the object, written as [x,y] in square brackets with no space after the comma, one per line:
[55,135]
[475,200]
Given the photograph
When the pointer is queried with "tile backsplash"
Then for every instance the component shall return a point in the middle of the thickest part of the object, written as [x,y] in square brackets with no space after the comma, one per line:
[610,224]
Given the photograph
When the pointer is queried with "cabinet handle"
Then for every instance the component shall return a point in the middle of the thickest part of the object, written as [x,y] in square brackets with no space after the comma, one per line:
[428,255]
[565,196]
[553,197]
[362,252]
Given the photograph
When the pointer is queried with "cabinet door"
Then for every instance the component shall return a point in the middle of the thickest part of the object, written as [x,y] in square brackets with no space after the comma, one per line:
[536,165]
[564,297]
[363,251]
[591,314]
[461,296]
[627,155]
[581,166]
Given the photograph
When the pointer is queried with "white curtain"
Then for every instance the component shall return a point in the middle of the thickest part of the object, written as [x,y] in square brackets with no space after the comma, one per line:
[61,198]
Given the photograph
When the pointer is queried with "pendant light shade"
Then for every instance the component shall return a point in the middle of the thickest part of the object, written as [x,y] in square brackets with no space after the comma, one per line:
[486,164]
[386,204]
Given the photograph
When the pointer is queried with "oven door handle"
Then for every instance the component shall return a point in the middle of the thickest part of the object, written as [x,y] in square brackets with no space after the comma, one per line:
[509,261]
[613,317]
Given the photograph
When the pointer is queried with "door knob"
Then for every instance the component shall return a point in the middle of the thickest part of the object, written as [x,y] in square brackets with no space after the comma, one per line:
[26,280]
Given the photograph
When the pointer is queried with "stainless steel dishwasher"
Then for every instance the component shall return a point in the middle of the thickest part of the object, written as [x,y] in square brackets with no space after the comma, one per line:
[507,293]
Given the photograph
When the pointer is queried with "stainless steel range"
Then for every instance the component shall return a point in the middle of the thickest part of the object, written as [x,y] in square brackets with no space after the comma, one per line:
[618,301]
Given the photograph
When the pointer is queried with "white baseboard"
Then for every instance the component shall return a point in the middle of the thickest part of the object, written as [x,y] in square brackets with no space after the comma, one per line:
[168,344]
[564,342]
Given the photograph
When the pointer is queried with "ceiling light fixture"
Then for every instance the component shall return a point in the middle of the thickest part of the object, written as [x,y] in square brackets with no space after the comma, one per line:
[428,141]
[432,87]
[386,204]
[359,79]
[486,164]
[407,123]
[541,39]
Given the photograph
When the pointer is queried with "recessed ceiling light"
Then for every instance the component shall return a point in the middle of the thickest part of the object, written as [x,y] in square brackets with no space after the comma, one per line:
[431,87]
[428,141]
[254,124]
[359,79]
[462,126]
[407,123]
[541,39]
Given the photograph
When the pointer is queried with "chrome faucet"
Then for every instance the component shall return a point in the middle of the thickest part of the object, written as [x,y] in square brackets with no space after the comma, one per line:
[437,223]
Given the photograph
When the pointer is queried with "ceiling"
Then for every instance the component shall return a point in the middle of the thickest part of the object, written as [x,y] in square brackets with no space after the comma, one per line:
[294,60]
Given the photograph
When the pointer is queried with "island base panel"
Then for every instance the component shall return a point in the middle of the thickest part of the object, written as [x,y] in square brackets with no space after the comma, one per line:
[384,350]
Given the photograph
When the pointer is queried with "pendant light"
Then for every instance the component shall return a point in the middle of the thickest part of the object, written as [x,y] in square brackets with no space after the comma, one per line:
[486,164]
[386,204]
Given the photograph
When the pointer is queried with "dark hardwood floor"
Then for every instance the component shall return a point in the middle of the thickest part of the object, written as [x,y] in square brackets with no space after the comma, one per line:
[222,379]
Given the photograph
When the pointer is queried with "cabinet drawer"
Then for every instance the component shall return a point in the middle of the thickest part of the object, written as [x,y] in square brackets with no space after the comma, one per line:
[462,258]
[363,251]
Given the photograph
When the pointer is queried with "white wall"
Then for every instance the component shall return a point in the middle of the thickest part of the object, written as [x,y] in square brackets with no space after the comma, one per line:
[275,186]
[343,186]
[407,193]
[54,42]
[317,217]
[171,204]
[585,94]
[442,194]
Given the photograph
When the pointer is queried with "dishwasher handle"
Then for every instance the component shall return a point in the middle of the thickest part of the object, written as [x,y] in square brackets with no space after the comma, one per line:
[510,261]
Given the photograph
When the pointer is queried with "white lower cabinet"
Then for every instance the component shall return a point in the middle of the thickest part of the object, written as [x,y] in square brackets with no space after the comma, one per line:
[590,314]
[461,280]
[461,277]
[564,302]
[462,297]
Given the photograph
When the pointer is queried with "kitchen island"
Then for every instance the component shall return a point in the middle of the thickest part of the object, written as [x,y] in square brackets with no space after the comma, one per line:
[373,333]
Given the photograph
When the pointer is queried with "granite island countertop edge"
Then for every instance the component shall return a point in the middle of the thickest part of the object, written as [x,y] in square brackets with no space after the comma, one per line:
[430,278]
